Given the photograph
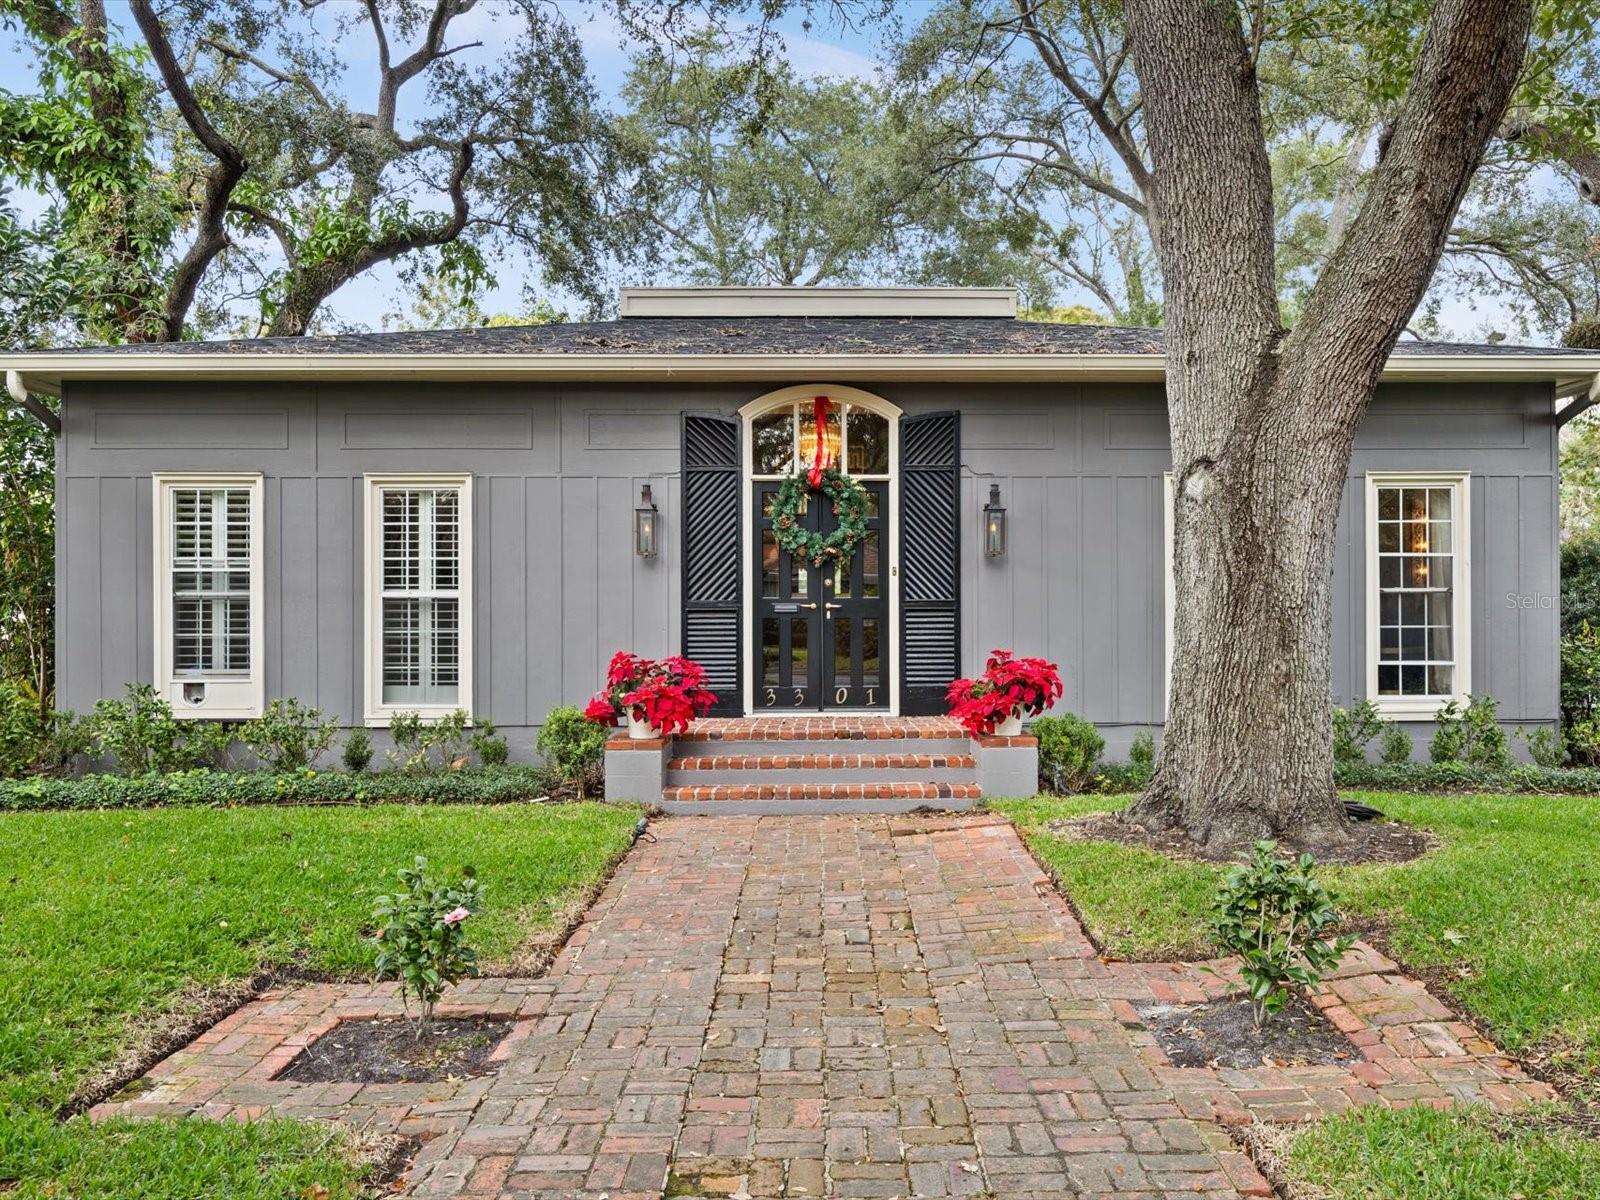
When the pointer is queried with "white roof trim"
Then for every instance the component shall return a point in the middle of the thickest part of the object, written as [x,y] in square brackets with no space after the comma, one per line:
[44,372]
[818,302]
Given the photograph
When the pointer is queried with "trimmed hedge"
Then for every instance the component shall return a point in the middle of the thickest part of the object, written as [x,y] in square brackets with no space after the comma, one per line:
[1461,777]
[489,785]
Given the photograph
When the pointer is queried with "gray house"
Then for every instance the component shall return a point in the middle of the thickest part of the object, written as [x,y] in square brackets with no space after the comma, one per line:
[377,523]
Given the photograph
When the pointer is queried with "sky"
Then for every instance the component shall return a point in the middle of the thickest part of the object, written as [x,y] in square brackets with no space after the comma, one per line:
[821,50]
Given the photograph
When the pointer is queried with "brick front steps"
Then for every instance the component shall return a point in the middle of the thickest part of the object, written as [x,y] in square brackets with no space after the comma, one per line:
[786,764]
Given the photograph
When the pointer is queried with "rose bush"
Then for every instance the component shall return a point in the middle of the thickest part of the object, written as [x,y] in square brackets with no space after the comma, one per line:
[1008,684]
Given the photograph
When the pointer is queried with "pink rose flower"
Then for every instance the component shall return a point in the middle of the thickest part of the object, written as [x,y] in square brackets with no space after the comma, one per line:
[456,916]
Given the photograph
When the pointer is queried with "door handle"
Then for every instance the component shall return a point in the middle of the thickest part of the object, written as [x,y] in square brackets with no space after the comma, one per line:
[828,609]
[812,606]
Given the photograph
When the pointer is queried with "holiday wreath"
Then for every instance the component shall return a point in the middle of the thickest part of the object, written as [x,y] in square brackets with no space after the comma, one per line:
[850,504]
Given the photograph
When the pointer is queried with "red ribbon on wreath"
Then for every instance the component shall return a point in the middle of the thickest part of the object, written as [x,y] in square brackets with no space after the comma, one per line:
[820,462]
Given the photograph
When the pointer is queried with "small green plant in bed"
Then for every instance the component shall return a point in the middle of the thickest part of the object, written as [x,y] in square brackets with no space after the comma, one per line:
[421,937]
[1272,912]
[289,736]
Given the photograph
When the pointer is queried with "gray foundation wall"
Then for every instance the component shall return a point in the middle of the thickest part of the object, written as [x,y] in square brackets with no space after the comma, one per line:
[557,474]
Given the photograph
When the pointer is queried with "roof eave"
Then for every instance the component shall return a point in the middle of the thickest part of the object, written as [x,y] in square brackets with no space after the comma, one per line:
[45,372]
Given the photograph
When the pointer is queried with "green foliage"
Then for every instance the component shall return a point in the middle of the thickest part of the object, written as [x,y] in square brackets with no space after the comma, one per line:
[1583,334]
[204,745]
[1142,753]
[1580,576]
[138,731]
[421,935]
[1580,692]
[1456,776]
[1353,728]
[289,735]
[1069,751]
[1273,912]
[574,746]
[1471,735]
[491,749]
[421,743]
[1394,746]
[491,785]
[767,177]
[22,729]
[357,753]
[1547,747]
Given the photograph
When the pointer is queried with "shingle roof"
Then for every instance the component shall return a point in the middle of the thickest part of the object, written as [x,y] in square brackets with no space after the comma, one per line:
[758,335]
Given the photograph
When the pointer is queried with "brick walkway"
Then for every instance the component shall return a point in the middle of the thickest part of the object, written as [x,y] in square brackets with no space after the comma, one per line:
[850,1007]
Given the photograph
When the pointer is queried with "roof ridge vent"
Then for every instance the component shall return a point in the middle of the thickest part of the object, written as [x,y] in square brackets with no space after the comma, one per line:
[995,302]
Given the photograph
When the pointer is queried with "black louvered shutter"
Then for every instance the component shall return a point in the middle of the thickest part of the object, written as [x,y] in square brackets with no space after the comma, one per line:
[930,560]
[711,614]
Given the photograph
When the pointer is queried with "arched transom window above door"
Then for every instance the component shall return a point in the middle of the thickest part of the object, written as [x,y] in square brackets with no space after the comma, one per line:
[855,437]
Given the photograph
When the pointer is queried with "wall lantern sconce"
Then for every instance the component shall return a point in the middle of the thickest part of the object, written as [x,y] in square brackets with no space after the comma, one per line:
[994,524]
[645,522]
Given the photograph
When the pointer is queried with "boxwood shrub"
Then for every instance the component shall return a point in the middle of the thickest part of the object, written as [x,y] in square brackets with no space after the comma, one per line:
[1456,776]
[490,785]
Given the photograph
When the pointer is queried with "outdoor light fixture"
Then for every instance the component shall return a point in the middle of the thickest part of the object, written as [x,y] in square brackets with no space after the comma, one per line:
[645,518]
[994,524]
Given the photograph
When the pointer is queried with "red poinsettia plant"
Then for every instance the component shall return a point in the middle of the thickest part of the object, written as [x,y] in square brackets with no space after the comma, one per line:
[665,693]
[1008,684]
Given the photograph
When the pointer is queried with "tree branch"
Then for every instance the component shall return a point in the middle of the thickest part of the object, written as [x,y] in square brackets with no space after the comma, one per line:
[211,237]
[1582,159]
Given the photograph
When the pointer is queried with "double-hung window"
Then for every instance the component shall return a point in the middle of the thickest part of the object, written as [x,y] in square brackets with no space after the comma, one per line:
[208,594]
[419,603]
[1418,591]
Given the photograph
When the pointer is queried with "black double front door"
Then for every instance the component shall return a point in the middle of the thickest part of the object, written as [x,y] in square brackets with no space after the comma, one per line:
[821,634]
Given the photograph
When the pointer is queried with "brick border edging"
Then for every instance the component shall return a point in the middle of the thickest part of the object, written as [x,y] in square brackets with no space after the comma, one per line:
[187,1028]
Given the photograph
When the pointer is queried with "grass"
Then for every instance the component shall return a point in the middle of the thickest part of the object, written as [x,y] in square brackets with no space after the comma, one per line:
[1423,1154]
[1505,907]
[110,917]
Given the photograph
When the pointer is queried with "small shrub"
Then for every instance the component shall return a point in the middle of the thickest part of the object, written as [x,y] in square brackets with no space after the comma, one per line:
[1394,747]
[205,744]
[24,729]
[289,736]
[574,745]
[1547,747]
[448,735]
[1471,735]
[421,940]
[1069,750]
[138,731]
[1142,754]
[490,747]
[1580,684]
[1353,728]
[1272,912]
[411,742]
[357,752]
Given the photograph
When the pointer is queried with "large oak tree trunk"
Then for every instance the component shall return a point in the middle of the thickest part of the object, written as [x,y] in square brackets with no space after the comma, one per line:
[1263,419]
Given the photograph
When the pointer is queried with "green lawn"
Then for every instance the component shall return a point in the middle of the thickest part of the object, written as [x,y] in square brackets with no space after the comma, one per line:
[109,917]
[1507,904]
[1505,908]
[1422,1154]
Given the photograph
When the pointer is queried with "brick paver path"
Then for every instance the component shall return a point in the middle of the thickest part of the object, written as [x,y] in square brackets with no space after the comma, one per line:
[836,1007]
[830,1007]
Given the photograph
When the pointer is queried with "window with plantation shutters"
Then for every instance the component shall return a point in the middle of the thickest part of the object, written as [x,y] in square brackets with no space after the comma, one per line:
[418,605]
[208,602]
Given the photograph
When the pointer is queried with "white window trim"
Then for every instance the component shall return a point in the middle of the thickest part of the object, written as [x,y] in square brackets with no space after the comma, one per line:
[1423,707]
[377,714]
[229,697]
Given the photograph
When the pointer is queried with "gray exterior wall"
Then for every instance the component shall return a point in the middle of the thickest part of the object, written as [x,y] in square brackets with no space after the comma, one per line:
[557,474]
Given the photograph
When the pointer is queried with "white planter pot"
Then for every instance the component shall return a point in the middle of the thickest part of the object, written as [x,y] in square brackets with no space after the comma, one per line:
[639,729]
[1011,726]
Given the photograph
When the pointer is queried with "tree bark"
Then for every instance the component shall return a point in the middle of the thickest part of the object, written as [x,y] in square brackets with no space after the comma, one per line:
[1263,420]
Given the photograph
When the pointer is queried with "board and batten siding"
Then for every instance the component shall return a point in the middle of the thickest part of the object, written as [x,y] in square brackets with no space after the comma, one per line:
[557,474]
